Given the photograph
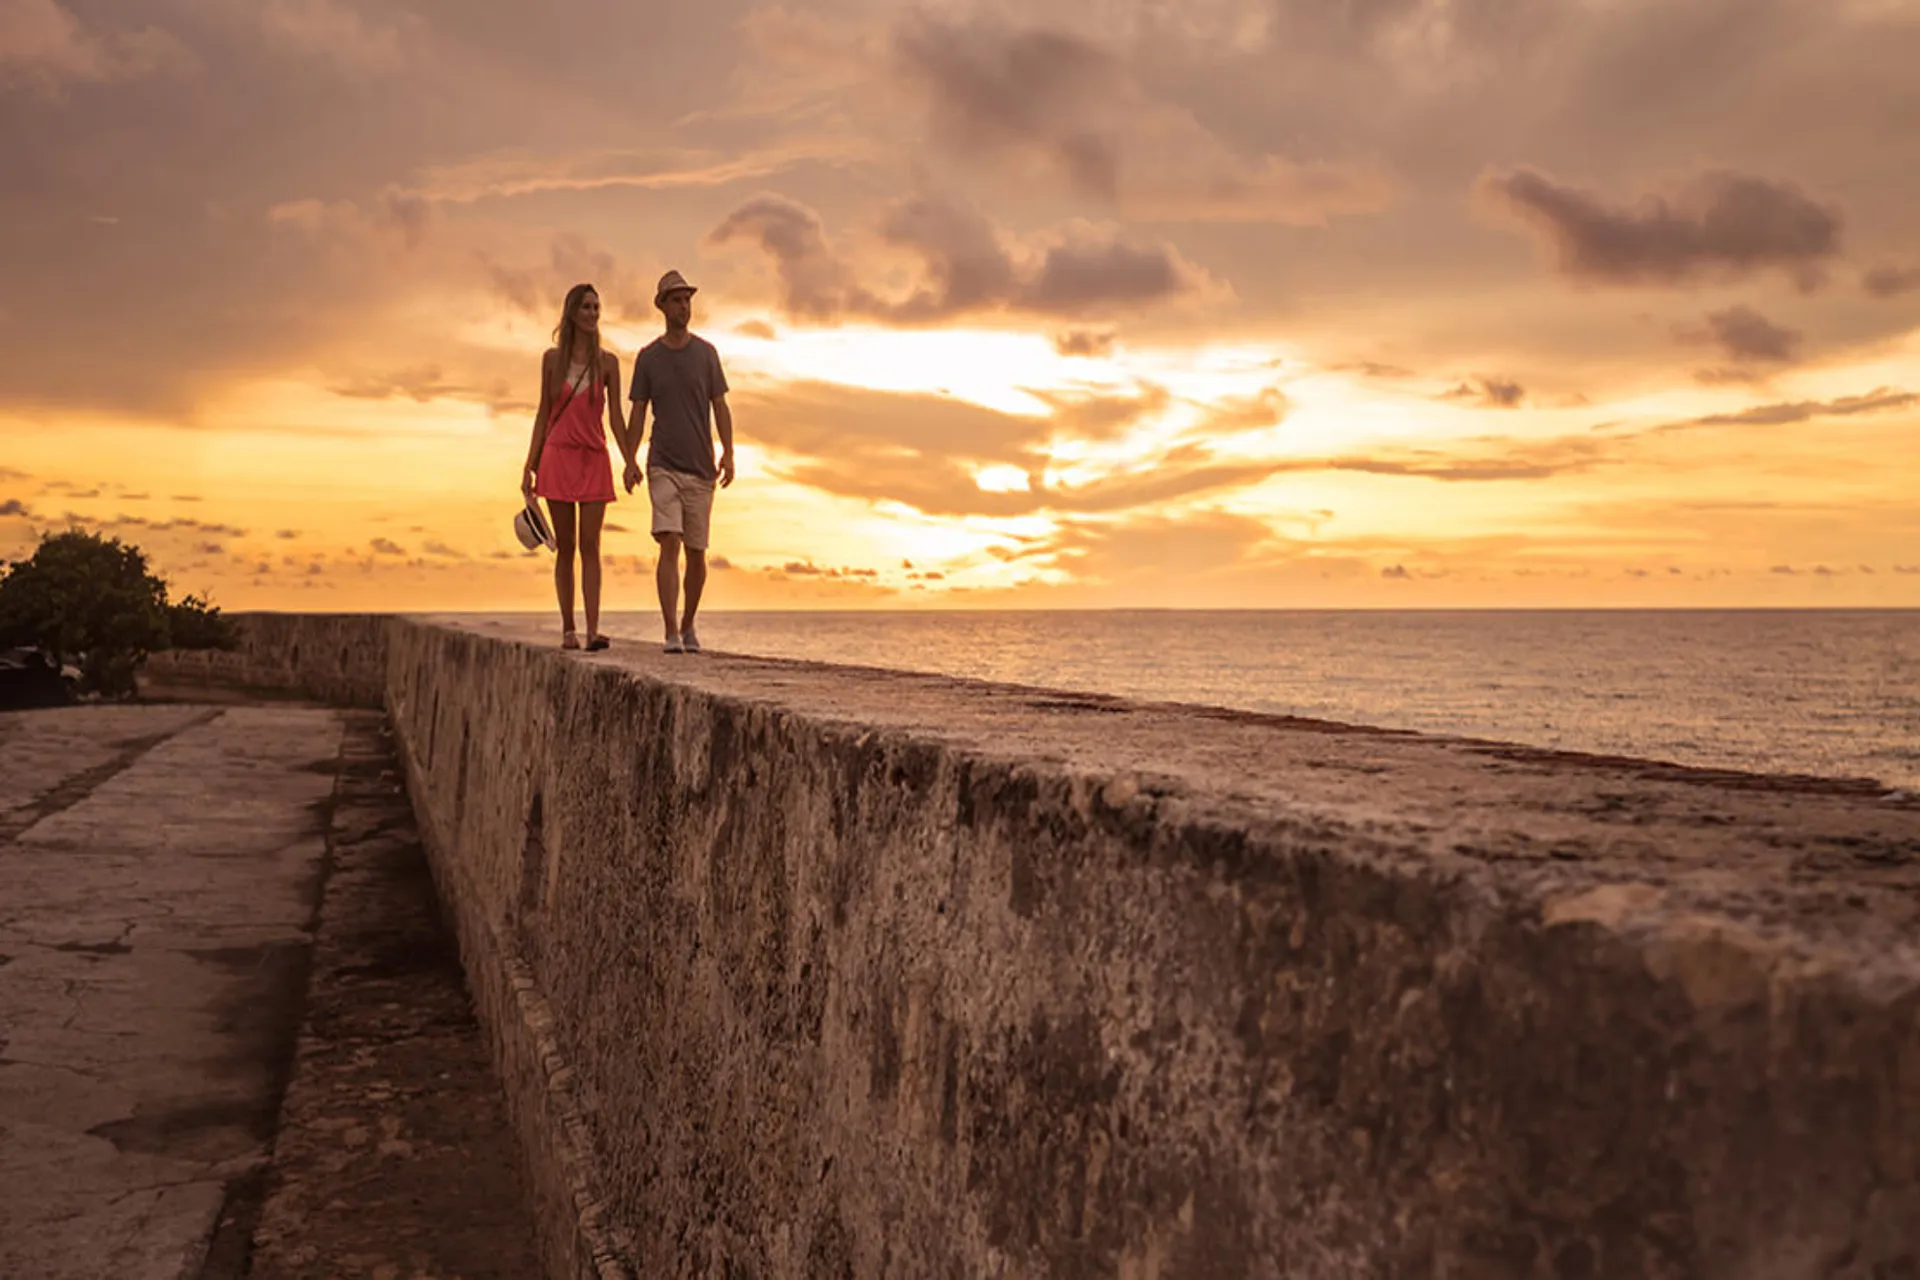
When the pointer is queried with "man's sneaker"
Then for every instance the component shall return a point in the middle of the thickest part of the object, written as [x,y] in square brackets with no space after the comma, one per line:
[675,645]
[689,641]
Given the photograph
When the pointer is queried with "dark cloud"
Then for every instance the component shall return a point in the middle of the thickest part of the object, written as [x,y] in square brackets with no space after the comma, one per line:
[1084,342]
[1890,282]
[1091,272]
[1102,415]
[943,489]
[1719,225]
[1880,400]
[311,129]
[1185,546]
[347,223]
[993,88]
[1388,29]
[923,451]
[210,548]
[1396,572]
[1493,393]
[964,266]
[287,533]
[816,419]
[413,189]
[15,507]
[1462,469]
[539,290]
[1069,108]
[1378,370]
[1260,411]
[183,523]
[814,283]
[1744,335]
[387,547]
[1476,461]
[442,550]
[428,383]
[45,48]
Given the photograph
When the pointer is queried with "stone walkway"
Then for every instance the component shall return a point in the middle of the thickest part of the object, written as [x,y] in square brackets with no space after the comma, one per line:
[160,878]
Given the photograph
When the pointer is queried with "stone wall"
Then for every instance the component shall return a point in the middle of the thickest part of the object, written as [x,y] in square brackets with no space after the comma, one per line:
[812,971]
[339,658]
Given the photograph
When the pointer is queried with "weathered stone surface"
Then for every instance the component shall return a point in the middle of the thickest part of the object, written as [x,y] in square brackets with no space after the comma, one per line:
[338,658]
[156,881]
[393,1156]
[798,970]
[158,873]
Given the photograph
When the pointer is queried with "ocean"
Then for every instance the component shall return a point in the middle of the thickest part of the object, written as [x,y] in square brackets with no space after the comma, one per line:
[1834,694]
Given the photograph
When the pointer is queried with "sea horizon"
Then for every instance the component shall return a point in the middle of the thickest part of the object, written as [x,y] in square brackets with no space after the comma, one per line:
[1818,692]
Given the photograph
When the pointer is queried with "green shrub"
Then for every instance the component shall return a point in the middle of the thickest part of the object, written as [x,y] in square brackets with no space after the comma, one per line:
[195,624]
[90,601]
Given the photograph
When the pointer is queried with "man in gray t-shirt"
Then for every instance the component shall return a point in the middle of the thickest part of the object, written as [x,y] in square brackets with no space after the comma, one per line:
[680,375]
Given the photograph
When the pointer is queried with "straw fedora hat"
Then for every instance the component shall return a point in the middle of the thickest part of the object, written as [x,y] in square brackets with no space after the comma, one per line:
[531,527]
[672,282]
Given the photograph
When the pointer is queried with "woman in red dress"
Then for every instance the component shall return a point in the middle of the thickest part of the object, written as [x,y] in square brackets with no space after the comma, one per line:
[567,462]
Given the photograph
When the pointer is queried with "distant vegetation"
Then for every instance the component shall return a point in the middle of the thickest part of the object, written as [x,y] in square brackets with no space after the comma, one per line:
[91,602]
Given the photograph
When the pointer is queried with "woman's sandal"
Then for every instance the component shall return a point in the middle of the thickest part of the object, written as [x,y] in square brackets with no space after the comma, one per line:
[569,640]
[596,643]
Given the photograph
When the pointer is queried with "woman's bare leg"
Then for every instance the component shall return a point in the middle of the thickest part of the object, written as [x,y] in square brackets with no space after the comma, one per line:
[565,540]
[591,516]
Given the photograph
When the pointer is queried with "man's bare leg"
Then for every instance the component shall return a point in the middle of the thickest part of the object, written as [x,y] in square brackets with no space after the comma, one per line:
[666,576]
[696,581]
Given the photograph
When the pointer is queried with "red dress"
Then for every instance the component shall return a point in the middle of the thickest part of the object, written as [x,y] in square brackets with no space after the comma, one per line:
[574,463]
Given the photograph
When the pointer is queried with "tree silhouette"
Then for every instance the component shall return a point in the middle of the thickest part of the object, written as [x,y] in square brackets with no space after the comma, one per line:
[91,601]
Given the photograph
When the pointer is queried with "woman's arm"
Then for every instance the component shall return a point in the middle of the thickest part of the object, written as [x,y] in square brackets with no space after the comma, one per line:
[539,440]
[612,375]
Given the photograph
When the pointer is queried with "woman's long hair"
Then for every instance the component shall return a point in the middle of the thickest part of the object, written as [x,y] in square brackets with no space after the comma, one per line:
[567,338]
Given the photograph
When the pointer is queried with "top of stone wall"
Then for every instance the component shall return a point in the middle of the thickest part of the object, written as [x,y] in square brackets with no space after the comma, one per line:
[1823,874]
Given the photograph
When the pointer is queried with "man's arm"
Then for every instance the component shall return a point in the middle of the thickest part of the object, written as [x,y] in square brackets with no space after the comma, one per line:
[723,423]
[636,429]
[722,418]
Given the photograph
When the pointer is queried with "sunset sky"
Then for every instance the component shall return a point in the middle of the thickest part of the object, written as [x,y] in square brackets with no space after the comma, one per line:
[1216,303]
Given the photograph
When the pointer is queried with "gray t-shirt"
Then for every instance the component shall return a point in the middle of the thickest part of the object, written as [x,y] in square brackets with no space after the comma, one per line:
[681,384]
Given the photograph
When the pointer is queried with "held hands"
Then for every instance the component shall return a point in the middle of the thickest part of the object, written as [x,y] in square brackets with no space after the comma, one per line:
[726,468]
[632,475]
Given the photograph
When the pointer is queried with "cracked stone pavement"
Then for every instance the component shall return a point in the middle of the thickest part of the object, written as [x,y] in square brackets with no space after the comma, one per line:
[159,868]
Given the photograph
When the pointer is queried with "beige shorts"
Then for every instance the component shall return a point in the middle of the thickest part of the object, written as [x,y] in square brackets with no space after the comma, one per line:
[682,504]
